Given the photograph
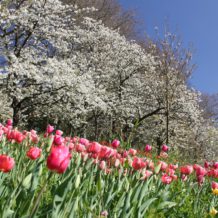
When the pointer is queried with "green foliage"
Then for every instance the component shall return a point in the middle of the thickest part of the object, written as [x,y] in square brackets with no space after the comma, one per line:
[30,190]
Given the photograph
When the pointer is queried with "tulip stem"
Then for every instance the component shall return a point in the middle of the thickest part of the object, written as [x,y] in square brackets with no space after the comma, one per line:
[36,204]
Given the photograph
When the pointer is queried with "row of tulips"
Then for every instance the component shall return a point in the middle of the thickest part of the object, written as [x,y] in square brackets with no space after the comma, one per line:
[56,176]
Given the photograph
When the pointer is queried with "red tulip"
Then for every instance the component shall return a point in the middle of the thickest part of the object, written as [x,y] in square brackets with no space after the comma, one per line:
[138,163]
[34,153]
[6,163]
[59,158]
[187,170]
[15,135]
[106,152]
[213,173]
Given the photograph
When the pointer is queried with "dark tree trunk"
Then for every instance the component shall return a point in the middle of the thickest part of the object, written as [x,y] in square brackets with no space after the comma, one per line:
[159,143]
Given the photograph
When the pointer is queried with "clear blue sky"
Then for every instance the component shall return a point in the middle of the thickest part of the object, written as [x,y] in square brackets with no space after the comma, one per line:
[196,21]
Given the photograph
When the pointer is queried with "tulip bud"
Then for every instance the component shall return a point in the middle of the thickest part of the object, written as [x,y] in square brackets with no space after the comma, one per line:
[148,148]
[102,165]
[115,144]
[165,148]
[49,129]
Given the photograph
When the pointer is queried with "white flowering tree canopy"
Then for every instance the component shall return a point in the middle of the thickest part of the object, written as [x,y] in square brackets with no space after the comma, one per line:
[88,77]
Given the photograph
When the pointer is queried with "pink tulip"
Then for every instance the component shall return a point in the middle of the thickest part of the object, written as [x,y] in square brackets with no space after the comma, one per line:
[106,152]
[125,154]
[84,141]
[115,144]
[59,158]
[132,152]
[34,153]
[164,148]
[102,165]
[184,177]
[117,163]
[166,179]
[94,147]
[138,163]
[206,164]
[9,122]
[58,132]
[200,179]
[214,185]
[147,174]
[80,148]
[34,138]
[148,148]
[58,140]
[173,166]
[201,171]
[163,165]
[49,129]
[215,165]
[104,213]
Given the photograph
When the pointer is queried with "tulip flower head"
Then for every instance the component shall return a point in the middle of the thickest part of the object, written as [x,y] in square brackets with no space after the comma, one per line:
[165,148]
[138,163]
[102,165]
[9,122]
[214,185]
[115,144]
[132,152]
[6,163]
[186,170]
[166,179]
[104,213]
[34,153]
[49,129]
[59,132]
[148,148]
[59,158]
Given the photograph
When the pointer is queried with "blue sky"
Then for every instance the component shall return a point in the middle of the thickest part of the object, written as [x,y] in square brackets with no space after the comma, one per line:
[196,22]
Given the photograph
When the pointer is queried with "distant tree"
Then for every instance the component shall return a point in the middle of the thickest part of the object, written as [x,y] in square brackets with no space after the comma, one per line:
[110,13]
